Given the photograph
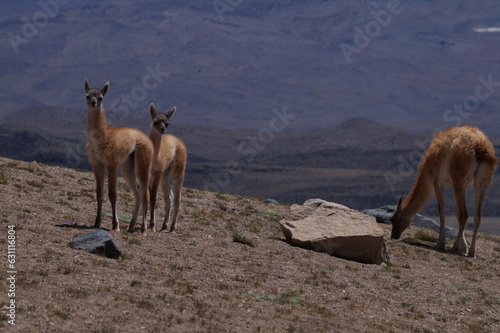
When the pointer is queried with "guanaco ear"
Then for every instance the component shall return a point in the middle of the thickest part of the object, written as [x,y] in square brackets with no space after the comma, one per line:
[171,112]
[152,111]
[104,89]
[400,202]
[87,85]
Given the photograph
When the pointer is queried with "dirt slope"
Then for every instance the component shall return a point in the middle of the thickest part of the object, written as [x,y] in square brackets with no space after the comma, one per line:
[200,279]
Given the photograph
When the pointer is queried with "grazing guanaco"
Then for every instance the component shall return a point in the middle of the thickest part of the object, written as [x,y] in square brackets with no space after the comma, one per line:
[115,147]
[169,165]
[457,156]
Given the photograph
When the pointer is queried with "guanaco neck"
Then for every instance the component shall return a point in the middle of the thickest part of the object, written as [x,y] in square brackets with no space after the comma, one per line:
[155,137]
[96,120]
[418,196]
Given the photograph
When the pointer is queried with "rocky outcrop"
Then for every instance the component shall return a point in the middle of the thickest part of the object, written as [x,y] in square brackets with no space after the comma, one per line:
[338,230]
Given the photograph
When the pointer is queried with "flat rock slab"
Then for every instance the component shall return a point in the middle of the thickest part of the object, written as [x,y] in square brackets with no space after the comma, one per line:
[337,230]
[384,214]
[98,242]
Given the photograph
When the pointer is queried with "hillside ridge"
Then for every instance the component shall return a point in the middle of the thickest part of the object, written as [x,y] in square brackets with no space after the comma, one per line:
[348,163]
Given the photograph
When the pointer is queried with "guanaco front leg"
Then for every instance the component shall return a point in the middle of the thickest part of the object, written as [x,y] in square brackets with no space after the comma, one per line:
[167,196]
[155,182]
[99,179]
[177,186]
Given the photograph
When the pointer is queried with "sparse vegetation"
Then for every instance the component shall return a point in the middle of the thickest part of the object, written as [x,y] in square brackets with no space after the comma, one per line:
[63,314]
[426,235]
[135,283]
[35,184]
[282,299]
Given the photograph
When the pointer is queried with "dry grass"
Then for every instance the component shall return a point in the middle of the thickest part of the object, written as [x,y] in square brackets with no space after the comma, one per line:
[207,277]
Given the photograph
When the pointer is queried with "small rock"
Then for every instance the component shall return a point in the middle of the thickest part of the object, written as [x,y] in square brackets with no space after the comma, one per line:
[270,201]
[98,242]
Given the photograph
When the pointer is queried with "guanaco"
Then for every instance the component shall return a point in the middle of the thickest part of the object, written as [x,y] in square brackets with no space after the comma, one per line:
[169,165]
[115,147]
[457,156]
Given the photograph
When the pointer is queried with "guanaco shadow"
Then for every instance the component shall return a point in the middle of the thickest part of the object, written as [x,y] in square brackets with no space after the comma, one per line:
[425,245]
[75,226]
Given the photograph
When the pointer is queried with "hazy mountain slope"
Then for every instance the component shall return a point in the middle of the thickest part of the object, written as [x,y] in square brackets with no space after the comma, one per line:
[231,70]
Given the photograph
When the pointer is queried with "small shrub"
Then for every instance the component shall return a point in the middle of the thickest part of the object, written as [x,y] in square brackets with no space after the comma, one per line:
[144,304]
[105,329]
[66,270]
[77,292]
[426,235]
[478,326]
[61,314]
[35,184]
[3,178]
[285,298]
[135,283]
[134,241]
[243,240]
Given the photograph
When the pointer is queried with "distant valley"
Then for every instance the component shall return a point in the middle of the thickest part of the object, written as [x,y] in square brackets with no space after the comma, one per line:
[359,163]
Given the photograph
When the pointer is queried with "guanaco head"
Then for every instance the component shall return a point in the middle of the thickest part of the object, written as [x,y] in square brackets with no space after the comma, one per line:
[94,96]
[398,221]
[160,120]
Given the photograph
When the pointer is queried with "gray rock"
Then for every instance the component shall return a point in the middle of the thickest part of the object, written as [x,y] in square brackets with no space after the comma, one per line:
[271,201]
[384,214]
[338,230]
[98,242]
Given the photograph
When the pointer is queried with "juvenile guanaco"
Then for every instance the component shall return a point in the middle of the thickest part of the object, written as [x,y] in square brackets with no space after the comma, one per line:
[115,147]
[169,165]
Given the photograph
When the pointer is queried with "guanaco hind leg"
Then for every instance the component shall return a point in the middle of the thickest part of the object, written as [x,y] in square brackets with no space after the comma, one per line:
[460,245]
